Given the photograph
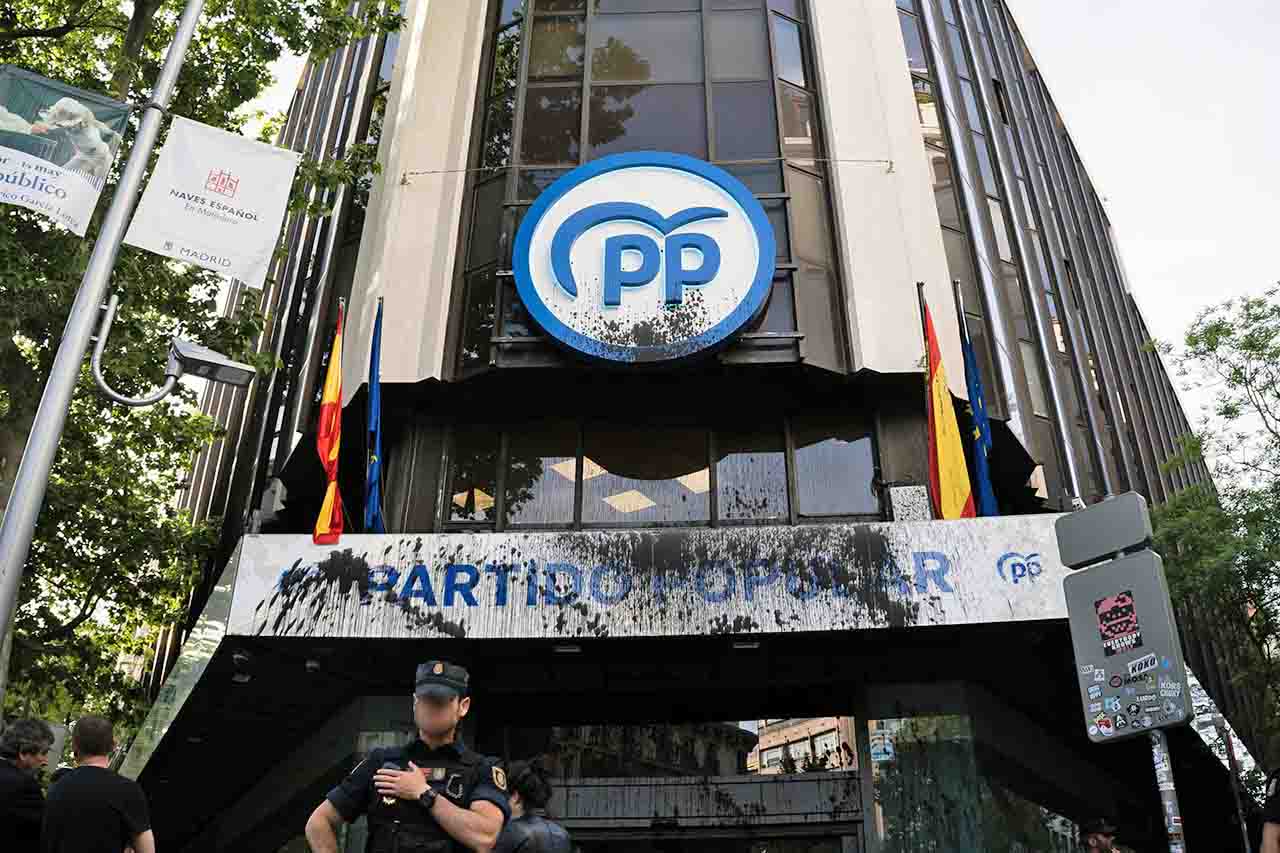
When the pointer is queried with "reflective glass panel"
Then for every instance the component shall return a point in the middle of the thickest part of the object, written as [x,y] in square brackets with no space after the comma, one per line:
[789,51]
[794,8]
[739,46]
[541,471]
[799,126]
[552,122]
[958,52]
[516,322]
[486,221]
[914,43]
[927,110]
[736,4]
[960,267]
[835,465]
[473,465]
[751,473]
[626,482]
[506,60]
[984,165]
[512,10]
[647,48]
[971,105]
[758,177]
[1035,379]
[557,48]
[744,119]
[389,48]
[640,118]
[811,239]
[497,130]
[478,328]
[776,210]
[532,182]
[1002,230]
[780,315]
[908,5]
[944,189]
[647,5]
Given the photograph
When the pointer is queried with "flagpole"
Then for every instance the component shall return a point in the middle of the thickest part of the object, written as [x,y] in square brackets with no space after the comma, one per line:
[32,478]
[934,500]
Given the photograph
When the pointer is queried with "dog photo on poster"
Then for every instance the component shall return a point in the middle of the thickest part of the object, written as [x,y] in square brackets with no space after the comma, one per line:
[1118,623]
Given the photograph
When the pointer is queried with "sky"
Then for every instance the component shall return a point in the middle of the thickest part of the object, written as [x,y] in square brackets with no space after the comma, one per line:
[1171,105]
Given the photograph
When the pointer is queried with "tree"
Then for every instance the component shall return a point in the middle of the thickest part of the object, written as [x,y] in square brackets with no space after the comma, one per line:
[1221,547]
[112,558]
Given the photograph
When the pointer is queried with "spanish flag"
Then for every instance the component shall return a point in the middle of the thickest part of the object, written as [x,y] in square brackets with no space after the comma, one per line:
[949,486]
[328,436]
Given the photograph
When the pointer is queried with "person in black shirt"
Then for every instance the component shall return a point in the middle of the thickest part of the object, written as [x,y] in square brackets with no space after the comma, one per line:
[530,830]
[24,750]
[1271,816]
[432,795]
[93,809]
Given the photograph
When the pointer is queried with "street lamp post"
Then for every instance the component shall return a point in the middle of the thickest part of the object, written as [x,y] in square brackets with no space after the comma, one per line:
[32,478]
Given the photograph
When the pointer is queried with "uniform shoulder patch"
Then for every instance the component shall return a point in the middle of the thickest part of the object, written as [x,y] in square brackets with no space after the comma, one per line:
[499,778]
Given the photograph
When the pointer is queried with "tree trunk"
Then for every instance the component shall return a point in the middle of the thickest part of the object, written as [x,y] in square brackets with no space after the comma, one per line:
[144,11]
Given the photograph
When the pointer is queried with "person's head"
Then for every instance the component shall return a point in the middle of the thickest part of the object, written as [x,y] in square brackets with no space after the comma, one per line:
[92,738]
[26,743]
[1099,835]
[440,699]
[528,786]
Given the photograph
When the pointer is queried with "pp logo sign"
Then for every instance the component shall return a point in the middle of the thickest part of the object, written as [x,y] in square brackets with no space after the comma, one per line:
[1015,568]
[644,257]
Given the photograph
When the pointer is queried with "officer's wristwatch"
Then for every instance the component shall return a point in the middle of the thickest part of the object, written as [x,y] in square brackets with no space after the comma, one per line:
[428,798]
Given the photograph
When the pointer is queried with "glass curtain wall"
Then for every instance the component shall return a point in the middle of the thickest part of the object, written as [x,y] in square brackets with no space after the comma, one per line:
[948,187]
[729,81]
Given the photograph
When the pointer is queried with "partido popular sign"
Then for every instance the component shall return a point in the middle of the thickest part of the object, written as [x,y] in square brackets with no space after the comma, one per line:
[651,582]
[644,257]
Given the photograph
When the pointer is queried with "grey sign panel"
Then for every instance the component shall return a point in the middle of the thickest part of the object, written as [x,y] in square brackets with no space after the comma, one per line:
[1104,529]
[1128,656]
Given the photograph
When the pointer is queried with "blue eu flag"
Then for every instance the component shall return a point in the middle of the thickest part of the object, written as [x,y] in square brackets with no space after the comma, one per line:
[986,503]
[373,483]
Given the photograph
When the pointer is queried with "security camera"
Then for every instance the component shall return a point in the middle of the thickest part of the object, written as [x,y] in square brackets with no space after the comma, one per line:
[196,360]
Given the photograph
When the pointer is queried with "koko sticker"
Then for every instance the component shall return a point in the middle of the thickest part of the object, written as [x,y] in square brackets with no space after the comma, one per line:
[1118,624]
[1143,664]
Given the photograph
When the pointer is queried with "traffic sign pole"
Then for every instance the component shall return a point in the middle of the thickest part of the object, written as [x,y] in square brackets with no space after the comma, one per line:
[1168,791]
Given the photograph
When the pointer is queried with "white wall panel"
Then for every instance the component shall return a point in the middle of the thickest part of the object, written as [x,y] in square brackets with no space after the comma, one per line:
[888,221]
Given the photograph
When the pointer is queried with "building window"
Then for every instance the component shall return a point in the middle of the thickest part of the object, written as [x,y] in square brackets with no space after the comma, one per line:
[835,466]
[625,482]
[751,473]
[771,757]
[569,81]
[564,474]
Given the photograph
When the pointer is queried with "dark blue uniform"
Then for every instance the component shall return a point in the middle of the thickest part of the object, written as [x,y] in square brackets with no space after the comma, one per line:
[532,832]
[405,826]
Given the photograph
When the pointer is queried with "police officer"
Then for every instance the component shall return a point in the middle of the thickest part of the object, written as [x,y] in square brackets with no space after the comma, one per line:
[433,795]
[529,830]
[1271,816]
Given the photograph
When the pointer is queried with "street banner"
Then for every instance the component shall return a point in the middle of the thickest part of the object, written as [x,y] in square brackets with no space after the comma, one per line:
[216,200]
[57,144]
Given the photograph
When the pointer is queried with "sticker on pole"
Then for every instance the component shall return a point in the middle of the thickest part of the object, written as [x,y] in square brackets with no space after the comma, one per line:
[644,257]
[1128,655]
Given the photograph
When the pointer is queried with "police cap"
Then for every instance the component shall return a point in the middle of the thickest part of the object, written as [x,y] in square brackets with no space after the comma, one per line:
[440,679]
[1098,826]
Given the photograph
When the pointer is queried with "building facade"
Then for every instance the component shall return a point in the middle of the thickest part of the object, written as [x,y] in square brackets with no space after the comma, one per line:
[628,556]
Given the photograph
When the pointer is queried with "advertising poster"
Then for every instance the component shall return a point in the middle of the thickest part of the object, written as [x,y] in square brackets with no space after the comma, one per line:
[216,200]
[57,144]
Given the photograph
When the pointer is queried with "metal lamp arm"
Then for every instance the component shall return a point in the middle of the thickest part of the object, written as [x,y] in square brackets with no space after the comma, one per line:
[172,372]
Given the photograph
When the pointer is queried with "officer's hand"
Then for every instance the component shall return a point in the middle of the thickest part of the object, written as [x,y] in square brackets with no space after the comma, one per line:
[405,784]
